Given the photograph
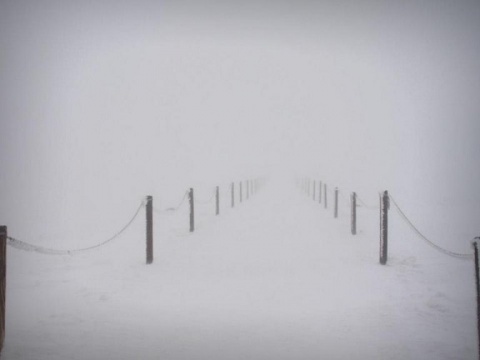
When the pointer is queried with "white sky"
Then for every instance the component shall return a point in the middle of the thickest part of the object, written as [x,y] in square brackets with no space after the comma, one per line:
[124,98]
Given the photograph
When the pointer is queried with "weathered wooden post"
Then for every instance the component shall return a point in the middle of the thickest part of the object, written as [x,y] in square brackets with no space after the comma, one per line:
[335,210]
[192,210]
[217,200]
[353,206]
[325,195]
[384,228]
[3,281]
[233,194]
[477,286]
[149,229]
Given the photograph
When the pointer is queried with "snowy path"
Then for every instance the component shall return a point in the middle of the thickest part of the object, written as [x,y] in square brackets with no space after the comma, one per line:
[276,278]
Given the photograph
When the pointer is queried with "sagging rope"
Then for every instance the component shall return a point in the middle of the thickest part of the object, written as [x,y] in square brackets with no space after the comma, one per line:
[22,245]
[428,241]
[172,209]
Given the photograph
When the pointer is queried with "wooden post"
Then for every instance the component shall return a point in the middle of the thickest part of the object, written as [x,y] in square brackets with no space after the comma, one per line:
[320,192]
[335,210]
[217,200]
[3,281]
[192,210]
[241,192]
[233,194]
[477,286]
[325,195]
[384,228]
[314,188]
[149,230]
[353,206]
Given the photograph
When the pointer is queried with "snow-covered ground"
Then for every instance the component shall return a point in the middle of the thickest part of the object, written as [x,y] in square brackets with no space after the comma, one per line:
[277,277]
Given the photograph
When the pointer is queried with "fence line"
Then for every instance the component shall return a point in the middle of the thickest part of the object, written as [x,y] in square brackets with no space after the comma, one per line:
[301,183]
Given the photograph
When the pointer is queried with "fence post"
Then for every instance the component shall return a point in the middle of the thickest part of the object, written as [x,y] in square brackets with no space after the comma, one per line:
[217,200]
[192,210]
[241,191]
[477,286]
[335,211]
[320,192]
[384,228]
[233,194]
[353,205]
[325,195]
[149,214]
[3,281]
[314,188]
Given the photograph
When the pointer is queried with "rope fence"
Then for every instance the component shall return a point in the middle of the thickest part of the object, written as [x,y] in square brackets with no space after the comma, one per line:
[355,202]
[251,186]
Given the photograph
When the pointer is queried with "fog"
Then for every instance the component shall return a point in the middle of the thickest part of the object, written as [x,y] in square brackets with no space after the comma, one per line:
[102,103]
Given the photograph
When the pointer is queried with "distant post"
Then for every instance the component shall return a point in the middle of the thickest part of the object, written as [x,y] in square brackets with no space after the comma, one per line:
[192,210]
[3,281]
[149,230]
[384,228]
[217,200]
[335,211]
[353,206]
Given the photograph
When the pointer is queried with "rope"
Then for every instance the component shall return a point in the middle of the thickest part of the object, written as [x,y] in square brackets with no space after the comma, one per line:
[171,209]
[22,245]
[423,237]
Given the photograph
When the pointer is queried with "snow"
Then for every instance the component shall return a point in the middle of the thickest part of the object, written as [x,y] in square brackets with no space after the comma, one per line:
[276,277]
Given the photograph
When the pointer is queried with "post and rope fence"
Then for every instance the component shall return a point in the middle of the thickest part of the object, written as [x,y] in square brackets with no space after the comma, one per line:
[385,202]
[147,203]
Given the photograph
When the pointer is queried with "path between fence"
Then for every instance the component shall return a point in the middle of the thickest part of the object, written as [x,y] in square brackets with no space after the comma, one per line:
[277,279]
